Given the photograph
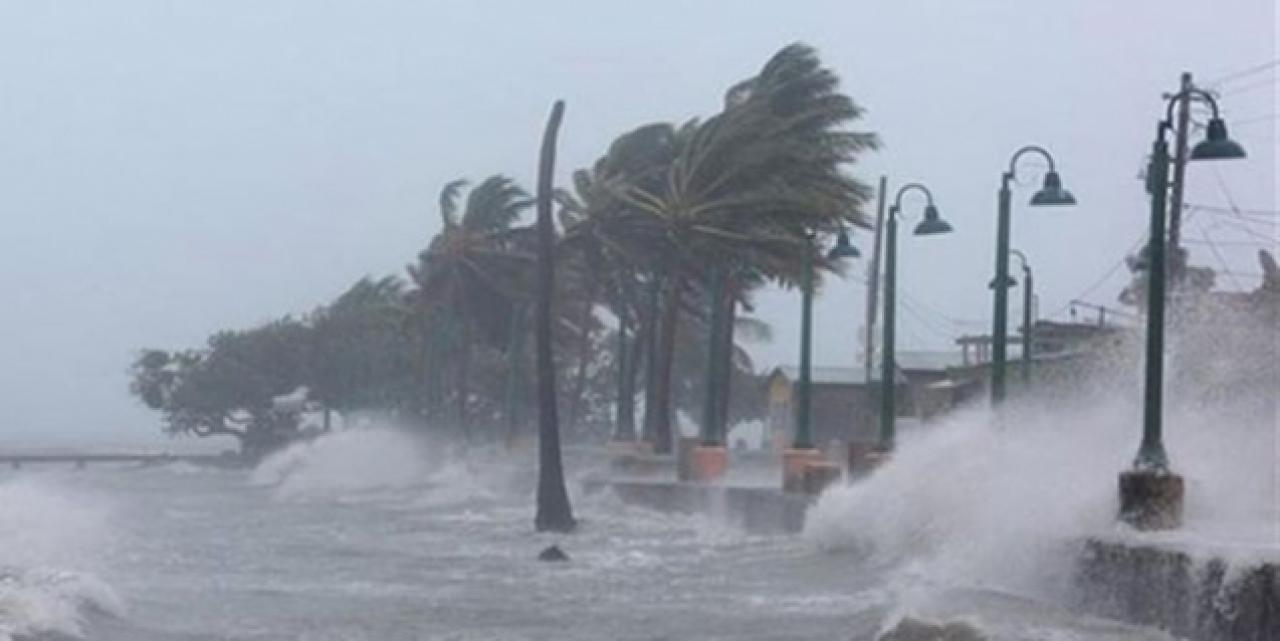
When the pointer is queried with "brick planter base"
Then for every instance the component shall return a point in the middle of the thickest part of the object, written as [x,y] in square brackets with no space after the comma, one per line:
[708,463]
[1151,500]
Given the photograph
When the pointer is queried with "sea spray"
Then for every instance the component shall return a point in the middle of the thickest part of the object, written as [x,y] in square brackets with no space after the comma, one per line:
[346,461]
[46,526]
[1008,500]
[375,463]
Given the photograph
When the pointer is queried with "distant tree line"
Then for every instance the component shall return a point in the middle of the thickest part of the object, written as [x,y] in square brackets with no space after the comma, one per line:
[659,246]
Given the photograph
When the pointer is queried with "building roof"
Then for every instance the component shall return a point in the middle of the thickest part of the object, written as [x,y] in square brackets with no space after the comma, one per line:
[928,361]
[832,375]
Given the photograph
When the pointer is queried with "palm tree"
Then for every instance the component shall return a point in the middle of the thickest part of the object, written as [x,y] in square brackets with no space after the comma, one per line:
[472,276]
[737,195]
[553,510]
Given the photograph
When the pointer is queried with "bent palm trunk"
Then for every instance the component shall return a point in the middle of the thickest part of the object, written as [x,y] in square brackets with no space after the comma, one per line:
[666,365]
[553,510]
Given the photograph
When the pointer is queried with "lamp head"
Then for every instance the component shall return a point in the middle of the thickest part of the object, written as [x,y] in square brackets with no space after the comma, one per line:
[1217,145]
[1052,192]
[843,248]
[932,223]
[1009,283]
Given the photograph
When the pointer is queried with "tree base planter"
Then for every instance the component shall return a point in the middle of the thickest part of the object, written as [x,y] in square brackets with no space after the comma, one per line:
[626,448]
[794,463]
[684,458]
[1151,500]
[861,459]
[708,463]
[819,475]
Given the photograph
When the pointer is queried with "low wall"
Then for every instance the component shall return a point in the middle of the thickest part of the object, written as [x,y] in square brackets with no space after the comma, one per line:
[1204,600]
[759,510]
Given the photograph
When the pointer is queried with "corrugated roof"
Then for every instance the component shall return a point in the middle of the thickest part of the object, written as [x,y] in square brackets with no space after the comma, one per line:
[928,361]
[834,375]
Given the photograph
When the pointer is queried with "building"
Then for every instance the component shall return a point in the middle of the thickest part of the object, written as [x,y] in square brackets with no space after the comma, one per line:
[845,404]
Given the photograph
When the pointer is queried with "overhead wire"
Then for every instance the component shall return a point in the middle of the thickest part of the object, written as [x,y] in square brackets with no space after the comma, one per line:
[1248,88]
[1247,71]
[1213,248]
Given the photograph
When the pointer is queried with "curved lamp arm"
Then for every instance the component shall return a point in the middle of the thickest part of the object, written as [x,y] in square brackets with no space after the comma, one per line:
[897,200]
[1013,162]
[1022,260]
[1193,92]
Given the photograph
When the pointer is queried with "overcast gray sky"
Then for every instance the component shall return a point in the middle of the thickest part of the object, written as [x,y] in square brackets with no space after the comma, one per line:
[171,168]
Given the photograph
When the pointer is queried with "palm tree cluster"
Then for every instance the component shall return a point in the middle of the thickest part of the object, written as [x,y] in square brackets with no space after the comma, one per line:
[659,246]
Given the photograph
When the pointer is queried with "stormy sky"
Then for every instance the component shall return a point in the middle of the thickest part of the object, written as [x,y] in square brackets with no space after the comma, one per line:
[171,168]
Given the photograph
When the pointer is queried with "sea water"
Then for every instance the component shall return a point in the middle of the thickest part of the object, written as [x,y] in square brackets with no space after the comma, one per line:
[380,535]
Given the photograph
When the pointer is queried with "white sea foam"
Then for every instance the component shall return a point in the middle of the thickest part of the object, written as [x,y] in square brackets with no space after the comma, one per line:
[387,465]
[45,526]
[980,499]
[346,461]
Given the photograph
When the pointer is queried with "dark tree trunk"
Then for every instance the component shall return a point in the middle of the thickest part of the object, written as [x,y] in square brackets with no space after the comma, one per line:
[650,347]
[515,374]
[724,368]
[666,365]
[464,383]
[553,511]
[626,401]
[584,356]
[431,373]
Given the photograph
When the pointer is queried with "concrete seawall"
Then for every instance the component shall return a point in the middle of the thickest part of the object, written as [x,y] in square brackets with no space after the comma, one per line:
[1201,599]
[760,510]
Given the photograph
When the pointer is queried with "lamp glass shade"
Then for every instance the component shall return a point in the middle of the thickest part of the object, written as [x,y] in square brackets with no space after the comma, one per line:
[1217,145]
[1009,282]
[932,223]
[1052,193]
[843,248]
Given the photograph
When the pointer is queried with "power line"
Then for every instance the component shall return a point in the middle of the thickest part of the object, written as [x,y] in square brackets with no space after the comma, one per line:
[958,322]
[1241,226]
[1248,71]
[1247,88]
[1229,243]
[1105,277]
[1255,120]
[1231,201]
[927,324]
[1232,210]
[1213,248]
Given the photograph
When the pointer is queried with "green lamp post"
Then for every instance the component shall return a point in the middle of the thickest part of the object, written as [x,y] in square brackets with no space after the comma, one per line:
[803,439]
[1151,495]
[932,224]
[1050,194]
[1028,293]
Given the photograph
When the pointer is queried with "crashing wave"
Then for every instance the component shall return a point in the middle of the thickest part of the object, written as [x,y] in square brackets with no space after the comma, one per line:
[51,604]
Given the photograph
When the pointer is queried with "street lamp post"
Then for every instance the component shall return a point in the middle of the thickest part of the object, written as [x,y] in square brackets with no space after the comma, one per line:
[930,225]
[802,449]
[1150,494]
[1051,193]
[1028,292]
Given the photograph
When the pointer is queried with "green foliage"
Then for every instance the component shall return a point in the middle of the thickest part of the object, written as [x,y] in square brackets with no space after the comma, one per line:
[739,194]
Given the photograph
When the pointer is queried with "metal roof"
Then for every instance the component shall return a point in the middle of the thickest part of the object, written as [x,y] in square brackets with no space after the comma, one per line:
[833,375]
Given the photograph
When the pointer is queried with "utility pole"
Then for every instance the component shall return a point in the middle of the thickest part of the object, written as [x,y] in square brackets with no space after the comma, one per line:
[873,283]
[1176,257]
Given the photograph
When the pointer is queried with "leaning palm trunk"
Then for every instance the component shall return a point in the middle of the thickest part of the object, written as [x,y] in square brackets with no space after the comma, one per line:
[666,367]
[724,366]
[651,365]
[584,356]
[464,384]
[553,510]
[625,430]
